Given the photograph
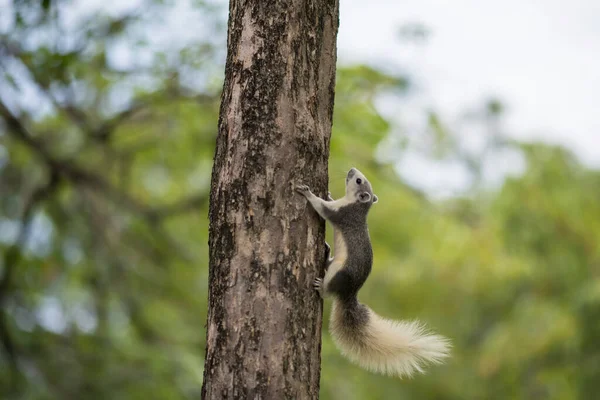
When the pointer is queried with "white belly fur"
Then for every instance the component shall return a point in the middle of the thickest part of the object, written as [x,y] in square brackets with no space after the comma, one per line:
[341,253]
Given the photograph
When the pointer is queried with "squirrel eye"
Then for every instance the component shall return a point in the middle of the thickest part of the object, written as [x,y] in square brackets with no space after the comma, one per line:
[359,181]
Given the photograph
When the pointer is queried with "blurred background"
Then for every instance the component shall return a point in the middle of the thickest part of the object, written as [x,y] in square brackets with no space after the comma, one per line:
[476,122]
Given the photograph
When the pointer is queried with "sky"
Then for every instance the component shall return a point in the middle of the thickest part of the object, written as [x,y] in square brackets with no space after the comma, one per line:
[541,58]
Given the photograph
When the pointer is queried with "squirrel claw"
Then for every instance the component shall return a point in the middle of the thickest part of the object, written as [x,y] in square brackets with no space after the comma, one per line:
[318,286]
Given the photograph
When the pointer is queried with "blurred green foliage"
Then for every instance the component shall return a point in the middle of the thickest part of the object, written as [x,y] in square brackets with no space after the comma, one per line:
[104,177]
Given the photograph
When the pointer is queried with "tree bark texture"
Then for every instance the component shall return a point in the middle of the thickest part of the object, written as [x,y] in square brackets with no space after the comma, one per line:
[266,245]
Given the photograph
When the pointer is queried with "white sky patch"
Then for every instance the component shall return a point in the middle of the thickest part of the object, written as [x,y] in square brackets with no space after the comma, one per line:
[439,179]
[51,315]
[540,58]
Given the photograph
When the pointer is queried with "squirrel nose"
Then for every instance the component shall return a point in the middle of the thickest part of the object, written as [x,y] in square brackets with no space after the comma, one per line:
[351,172]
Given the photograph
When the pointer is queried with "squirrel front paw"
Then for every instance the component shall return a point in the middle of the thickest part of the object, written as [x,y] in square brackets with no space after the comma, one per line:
[302,189]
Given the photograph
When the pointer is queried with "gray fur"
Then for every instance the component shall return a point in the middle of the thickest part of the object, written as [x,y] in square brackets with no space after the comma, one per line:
[350,220]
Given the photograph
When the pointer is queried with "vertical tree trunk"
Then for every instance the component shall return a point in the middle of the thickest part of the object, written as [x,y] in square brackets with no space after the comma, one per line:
[266,247]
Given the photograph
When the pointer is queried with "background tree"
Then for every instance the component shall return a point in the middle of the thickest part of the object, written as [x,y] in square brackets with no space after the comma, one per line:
[264,318]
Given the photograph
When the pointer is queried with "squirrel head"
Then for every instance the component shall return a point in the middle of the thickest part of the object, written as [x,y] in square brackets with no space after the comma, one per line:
[358,188]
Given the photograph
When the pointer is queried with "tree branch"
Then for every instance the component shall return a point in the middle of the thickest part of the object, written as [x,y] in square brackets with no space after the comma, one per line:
[80,176]
[68,169]
[180,207]
[12,256]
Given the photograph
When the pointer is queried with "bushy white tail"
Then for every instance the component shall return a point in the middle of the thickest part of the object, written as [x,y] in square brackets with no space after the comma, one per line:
[384,346]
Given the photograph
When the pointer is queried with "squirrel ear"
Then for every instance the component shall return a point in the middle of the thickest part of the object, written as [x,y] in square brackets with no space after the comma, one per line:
[375,199]
[364,197]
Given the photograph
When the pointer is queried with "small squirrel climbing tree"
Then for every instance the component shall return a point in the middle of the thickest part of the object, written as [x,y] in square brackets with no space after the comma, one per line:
[266,248]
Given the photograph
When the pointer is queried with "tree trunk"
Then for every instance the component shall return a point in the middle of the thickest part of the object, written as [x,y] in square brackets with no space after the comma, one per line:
[266,246]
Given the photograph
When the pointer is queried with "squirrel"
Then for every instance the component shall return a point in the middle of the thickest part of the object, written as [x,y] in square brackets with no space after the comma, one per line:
[397,348]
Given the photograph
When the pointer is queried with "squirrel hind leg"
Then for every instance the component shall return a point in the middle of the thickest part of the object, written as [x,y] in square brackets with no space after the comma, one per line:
[343,285]
[318,286]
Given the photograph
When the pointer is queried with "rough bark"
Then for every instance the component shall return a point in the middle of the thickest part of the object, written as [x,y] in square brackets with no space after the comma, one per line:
[266,246]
